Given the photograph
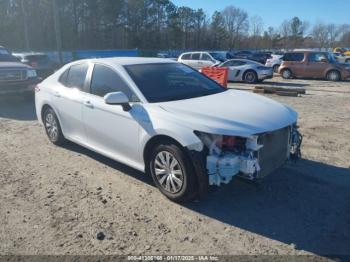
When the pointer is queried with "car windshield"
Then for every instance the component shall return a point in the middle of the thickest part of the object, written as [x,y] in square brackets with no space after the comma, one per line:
[169,82]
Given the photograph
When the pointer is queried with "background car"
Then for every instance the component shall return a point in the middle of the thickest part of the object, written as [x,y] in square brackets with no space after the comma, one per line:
[260,57]
[15,77]
[311,64]
[275,61]
[342,58]
[39,61]
[198,60]
[166,119]
[247,71]
[342,50]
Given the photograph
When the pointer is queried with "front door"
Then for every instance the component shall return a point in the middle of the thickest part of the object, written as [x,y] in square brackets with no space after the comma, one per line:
[109,129]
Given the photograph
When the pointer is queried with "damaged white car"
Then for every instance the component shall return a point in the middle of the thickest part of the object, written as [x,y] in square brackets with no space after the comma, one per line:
[166,119]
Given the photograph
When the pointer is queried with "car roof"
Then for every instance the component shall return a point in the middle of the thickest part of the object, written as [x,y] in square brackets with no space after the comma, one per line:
[123,61]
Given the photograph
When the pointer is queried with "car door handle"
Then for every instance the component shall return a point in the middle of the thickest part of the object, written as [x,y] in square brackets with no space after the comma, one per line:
[88,104]
[57,94]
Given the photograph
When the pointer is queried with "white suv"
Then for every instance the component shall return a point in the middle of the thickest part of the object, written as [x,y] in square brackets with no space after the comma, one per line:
[198,60]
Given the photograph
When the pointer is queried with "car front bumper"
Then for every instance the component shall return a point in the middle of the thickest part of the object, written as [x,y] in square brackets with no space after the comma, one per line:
[16,87]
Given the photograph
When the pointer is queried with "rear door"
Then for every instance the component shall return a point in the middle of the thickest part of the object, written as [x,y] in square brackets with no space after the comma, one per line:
[207,60]
[68,98]
[196,62]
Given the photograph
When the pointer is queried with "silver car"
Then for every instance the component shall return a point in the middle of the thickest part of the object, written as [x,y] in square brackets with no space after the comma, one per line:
[247,71]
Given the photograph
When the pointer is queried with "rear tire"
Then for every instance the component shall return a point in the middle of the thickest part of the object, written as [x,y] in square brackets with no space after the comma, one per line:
[53,127]
[333,75]
[286,74]
[250,77]
[173,173]
[275,68]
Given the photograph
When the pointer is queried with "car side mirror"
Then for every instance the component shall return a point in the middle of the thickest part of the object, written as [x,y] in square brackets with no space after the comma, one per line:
[117,98]
[323,60]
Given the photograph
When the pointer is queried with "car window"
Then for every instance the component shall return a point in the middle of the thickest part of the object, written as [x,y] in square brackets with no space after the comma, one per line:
[238,63]
[294,57]
[196,56]
[63,77]
[317,57]
[76,76]
[186,57]
[105,80]
[171,81]
[206,57]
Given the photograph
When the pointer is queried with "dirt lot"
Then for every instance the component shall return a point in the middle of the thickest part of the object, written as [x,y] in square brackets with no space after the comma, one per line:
[56,200]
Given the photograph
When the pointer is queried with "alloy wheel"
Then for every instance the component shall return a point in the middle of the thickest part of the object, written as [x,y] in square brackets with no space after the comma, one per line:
[250,77]
[51,126]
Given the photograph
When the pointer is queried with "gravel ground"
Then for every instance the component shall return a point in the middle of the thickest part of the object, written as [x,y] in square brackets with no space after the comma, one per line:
[57,200]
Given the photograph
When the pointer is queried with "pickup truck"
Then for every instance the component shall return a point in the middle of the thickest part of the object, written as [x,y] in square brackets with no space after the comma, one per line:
[15,77]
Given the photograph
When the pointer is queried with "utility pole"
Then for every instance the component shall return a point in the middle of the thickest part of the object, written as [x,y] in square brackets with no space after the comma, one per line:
[25,26]
[57,31]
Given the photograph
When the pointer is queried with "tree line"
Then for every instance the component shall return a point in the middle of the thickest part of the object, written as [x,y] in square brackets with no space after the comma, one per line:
[153,25]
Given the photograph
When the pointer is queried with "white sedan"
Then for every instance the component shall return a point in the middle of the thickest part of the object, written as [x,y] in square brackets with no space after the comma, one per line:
[164,118]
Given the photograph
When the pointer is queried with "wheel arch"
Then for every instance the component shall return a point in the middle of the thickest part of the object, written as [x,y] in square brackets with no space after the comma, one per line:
[154,141]
[46,106]
[331,70]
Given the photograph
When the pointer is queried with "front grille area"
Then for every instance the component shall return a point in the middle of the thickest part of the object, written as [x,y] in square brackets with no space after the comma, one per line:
[8,75]
[275,151]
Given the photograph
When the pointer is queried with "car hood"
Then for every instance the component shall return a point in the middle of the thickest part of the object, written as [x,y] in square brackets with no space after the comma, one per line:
[238,113]
[13,65]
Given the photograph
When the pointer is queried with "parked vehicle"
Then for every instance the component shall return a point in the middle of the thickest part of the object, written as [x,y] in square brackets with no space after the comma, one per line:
[260,57]
[342,58]
[198,60]
[15,77]
[167,119]
[342,50]
[311,64]
[275,61]
[247,71]
[39,61]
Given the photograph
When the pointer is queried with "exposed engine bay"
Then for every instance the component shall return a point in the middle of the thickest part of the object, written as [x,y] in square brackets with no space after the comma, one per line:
[250,158]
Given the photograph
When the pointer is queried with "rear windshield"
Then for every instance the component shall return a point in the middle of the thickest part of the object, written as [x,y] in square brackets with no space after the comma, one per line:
[169,82]
[293,57]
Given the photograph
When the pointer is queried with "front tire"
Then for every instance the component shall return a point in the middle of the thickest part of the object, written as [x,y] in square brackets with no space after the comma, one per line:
[53,127]
[333,75]
[173,173]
